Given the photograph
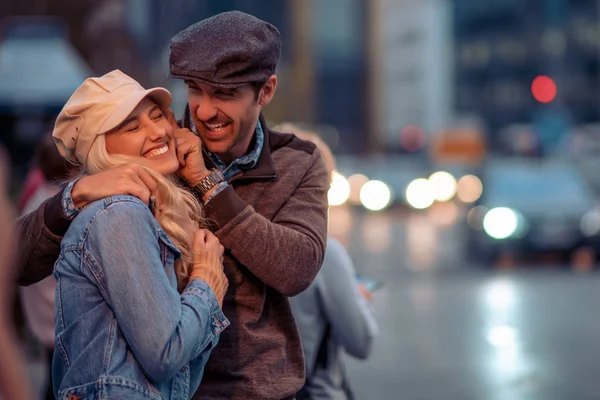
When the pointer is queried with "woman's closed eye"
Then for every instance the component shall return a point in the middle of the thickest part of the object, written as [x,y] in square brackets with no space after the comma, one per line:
[157,116]
[132,128]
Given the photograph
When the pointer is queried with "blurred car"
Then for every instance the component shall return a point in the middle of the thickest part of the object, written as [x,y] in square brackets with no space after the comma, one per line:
[531,207]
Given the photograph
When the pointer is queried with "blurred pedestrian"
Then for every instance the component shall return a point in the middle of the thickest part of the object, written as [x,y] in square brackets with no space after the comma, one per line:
[264,191]
[14,383]
[333,314]
[37,300]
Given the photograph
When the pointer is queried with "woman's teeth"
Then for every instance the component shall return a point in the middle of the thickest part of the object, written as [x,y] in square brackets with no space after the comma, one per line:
[157,152]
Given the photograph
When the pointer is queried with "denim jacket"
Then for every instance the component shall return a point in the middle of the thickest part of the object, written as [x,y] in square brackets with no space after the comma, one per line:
[123,331]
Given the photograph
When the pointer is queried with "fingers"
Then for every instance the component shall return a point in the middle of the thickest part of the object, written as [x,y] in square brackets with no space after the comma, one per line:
[200,239]
[136,187]
[183,148]
[150,183]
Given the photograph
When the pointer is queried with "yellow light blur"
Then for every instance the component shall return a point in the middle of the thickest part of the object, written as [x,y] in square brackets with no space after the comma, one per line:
[375,195]
[356,182]
[469,188]
[339,190]
[444,185]
[420,194]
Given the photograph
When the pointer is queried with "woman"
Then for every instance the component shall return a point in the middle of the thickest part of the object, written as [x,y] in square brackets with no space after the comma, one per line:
[139,288]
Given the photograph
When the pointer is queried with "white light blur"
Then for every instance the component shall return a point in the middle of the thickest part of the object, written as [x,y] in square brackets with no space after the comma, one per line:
[469,189]
[444,185]
[339,191]
[500,222]
[420,194]
[356,182]
[502,336]
[500,296]
[375,195]
[590,223]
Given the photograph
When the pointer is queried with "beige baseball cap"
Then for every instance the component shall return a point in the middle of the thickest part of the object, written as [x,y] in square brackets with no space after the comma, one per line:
[98,106]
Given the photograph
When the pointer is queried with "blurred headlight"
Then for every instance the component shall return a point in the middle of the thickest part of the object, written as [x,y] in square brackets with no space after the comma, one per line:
[420,194]
[590,223]
[444,185]
[375,195]
[501,222]
[339,190]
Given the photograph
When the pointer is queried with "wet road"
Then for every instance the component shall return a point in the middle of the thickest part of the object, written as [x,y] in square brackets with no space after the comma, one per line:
[451,331]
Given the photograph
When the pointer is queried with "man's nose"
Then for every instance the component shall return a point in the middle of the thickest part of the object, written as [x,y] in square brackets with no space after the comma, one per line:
[206,109]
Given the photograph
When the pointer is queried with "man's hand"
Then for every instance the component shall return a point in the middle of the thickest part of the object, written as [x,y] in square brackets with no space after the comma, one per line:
[189,152]
[129,179]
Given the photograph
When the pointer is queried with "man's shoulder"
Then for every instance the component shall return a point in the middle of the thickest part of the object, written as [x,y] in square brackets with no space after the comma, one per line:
[290,142]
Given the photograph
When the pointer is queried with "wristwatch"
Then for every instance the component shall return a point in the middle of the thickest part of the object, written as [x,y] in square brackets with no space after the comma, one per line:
[208,182]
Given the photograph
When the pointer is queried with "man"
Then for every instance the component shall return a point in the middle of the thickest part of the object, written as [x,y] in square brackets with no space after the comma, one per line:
[265,191]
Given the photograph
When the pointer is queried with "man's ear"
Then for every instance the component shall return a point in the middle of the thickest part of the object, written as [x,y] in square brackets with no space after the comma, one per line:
[267,91]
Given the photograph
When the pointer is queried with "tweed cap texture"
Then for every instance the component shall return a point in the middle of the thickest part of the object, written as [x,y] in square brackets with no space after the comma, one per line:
[227,50]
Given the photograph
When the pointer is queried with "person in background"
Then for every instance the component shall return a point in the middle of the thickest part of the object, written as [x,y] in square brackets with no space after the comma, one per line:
[14,383]
[333,314]
[33,180]
[37,301]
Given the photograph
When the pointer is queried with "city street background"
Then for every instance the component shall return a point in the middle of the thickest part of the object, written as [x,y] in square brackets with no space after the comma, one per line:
[467,138]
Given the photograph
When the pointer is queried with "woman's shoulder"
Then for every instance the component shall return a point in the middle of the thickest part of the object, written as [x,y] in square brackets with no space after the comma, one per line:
[116,205]
[115,213]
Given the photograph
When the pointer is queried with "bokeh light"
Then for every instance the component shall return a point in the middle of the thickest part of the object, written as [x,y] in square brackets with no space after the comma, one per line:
[469,188]
[444,185]
[500,222]
[543,89]
[420,194]
[339,190]
[375,195]
[412,138]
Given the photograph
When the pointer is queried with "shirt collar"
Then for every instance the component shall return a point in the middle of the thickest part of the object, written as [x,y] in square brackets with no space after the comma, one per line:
[247,161]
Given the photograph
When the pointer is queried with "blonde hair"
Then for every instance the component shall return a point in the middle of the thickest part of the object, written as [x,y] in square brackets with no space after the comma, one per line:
[179,214]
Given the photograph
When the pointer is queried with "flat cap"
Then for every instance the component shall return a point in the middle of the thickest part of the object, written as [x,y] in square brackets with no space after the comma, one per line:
[227,50]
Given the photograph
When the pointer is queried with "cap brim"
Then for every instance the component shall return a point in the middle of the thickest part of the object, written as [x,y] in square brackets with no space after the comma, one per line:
[211,83]
[161,96]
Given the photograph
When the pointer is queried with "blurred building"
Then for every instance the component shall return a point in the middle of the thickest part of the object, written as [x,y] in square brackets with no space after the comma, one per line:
[410,72]
[501,46]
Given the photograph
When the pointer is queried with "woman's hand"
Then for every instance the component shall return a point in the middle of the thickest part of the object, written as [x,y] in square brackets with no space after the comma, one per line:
[208,263]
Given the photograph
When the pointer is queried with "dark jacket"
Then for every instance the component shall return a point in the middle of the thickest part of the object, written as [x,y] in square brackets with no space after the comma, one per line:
[272,221]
